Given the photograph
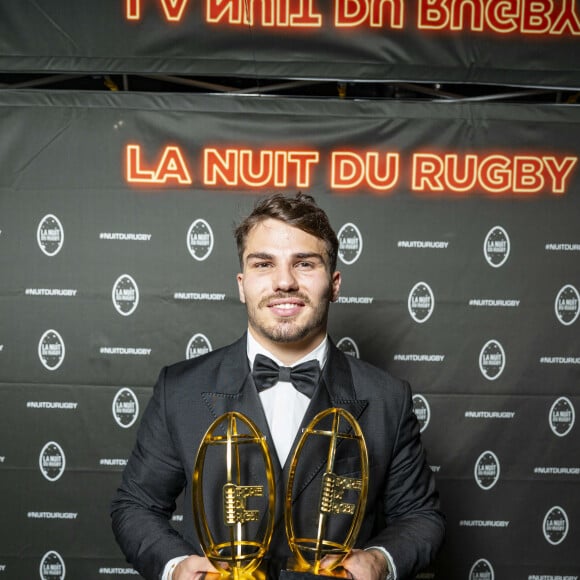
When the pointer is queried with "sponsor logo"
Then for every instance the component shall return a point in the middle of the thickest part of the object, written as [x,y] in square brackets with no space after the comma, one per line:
[496,247]
[52,515]
[50,235]
[355,300]
[555,247]
[500,303]
[51,350]
[125,408]
[551,577]
[557,470]
[66,405]
[560,360]
[52,566]
[423,244]
[490,414]
[197,346]
[555,525]
[487,470]
[481,570]
[210,296]
[113,462]
[200,240]
[348,346]
[350,244]
[66,292]
[52,461]
[422,411]
[492,360]
[421,302]
[567,305]
[125,236]
[125,350]
[417,357]
[484,523]
[562,416]
[125,295]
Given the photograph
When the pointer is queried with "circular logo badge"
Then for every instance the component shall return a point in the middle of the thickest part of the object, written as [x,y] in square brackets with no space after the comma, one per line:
[481,570]
[496,247]
[50,235]
[492,360]
[125,295]
[555,525]
[52,461]
[125,408]
[350,244]
[200,240]
[422,411]
[348,346]
[487,470]
[197,346]
[421,302]
[567,305]
[562,417]
[52,566]
[51,350]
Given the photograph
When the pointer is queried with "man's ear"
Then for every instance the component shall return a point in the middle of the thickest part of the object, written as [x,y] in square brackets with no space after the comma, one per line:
[336,281]
[240,280]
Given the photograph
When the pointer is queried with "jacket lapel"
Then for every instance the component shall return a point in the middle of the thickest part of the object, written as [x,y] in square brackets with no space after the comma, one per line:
[235,391]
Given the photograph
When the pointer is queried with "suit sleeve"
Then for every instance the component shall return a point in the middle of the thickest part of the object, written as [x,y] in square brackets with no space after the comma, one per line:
[414,525]
[144,502]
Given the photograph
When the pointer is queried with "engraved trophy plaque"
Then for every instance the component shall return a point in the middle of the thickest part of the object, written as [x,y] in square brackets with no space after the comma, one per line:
[233,469]
[328,524]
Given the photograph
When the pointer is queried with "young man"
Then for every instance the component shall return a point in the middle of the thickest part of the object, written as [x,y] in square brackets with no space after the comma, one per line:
[288,279]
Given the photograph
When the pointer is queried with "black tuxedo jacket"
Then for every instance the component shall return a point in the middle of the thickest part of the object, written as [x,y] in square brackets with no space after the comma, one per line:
[402,511]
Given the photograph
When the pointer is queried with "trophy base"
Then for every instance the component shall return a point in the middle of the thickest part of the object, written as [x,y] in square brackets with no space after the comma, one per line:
[293,572]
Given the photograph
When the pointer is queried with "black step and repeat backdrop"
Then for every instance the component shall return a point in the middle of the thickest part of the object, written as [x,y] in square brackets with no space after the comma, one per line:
[459,232]
[460,253]
[525,42]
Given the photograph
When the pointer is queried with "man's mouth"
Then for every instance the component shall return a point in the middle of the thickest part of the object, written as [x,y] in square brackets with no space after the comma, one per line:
[285,307]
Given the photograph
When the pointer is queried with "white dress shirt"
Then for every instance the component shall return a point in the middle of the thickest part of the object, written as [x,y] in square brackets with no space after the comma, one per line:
[284,406]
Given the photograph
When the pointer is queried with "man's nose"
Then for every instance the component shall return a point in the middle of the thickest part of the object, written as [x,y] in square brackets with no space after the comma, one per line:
[285,279]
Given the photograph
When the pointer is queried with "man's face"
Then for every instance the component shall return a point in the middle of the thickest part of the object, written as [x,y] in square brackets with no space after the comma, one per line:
[287,286]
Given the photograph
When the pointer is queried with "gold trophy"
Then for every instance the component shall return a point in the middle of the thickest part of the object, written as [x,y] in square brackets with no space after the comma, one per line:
[342,498]
[234,453]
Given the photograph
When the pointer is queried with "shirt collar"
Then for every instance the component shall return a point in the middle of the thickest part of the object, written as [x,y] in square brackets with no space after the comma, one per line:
[319,353]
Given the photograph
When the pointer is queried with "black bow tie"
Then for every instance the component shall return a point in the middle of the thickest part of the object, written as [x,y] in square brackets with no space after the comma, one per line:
[304,377]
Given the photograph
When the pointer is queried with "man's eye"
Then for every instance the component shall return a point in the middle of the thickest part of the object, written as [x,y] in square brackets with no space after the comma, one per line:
[304,265]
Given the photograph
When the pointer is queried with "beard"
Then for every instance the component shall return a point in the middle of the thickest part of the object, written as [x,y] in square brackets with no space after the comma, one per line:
[289,330]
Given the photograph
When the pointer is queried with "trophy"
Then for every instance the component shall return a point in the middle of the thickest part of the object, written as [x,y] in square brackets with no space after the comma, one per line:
[326,525]
[236,536]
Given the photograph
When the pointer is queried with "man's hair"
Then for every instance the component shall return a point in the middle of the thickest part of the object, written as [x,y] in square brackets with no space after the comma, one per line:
[299,211]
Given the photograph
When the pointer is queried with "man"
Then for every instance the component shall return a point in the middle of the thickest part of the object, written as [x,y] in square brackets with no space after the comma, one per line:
[287,251]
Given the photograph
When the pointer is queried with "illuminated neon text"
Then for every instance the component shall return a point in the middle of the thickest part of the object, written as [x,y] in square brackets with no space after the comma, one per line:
[171,167]
[372,170]
[550,17]
[232,167]
[373,13]
[267,13]
[520,174]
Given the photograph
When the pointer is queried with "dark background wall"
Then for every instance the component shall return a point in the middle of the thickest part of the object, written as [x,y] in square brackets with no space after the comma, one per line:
[461,276]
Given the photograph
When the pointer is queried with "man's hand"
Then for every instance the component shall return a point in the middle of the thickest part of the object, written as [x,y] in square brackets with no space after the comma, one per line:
[192,568]
[365,565]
